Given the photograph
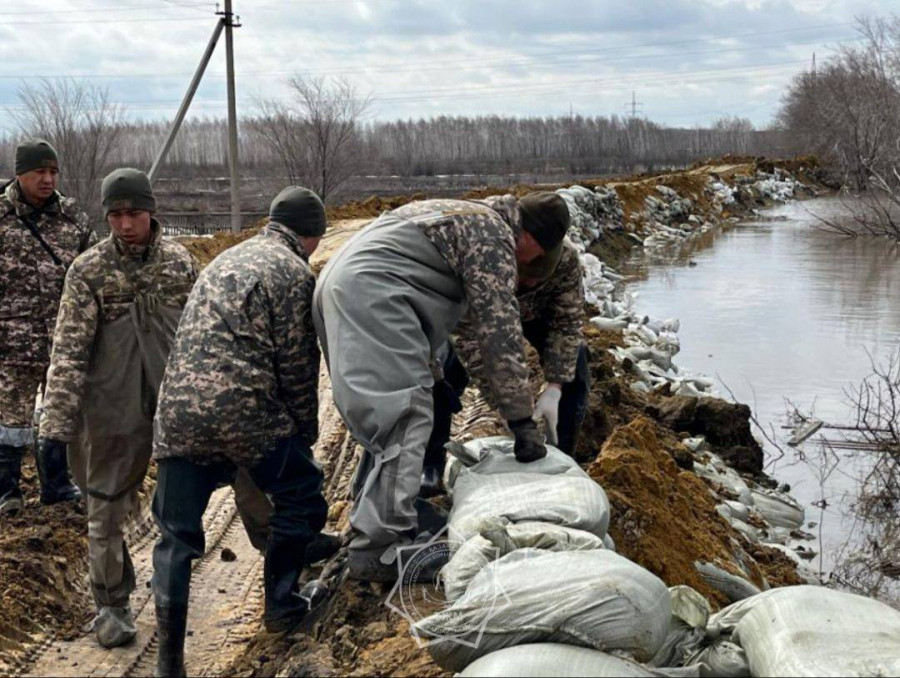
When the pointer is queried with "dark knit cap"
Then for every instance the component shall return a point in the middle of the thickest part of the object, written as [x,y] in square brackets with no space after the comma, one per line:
[127,189]
[35,154]
[546,217]
[300,210]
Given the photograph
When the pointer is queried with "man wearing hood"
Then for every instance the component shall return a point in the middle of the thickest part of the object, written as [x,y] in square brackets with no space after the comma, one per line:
[120,308]
[385,304]
[41,233]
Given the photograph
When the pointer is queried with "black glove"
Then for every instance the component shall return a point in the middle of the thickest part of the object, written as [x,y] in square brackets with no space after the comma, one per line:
[529,445]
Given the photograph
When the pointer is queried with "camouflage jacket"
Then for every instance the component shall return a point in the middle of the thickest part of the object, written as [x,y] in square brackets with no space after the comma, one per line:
[101,286]
[31,282]
[244,370]
[559,303]
[478,241]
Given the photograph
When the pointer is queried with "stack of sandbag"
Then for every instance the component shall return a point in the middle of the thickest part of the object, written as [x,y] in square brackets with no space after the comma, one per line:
[530,564]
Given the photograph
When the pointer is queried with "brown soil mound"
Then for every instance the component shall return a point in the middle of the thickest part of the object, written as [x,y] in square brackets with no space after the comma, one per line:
[207,249]
[43,560]
[663,518]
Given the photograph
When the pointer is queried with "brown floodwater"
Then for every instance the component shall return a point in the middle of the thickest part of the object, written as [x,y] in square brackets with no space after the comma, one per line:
[777,310]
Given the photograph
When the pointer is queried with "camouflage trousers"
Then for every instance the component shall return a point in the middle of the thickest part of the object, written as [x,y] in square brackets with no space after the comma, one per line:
[19,385]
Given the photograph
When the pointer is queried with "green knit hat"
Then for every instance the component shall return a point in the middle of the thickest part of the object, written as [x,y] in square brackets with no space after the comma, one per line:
[35,154]
[300,210]
[127,189]
[546,217]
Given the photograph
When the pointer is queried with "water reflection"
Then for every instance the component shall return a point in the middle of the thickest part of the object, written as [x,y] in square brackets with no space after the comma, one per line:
[780,310]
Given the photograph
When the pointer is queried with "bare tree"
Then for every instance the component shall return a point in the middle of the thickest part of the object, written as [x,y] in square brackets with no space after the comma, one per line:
[849,113]
[317,136]
[81,122]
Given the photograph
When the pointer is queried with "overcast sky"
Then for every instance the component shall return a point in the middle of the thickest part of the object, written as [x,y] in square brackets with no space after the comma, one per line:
[687,62]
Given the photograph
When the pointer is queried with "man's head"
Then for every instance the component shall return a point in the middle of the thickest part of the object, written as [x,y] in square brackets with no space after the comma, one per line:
[300,210]
[128,204]
[545,220]
[37,170]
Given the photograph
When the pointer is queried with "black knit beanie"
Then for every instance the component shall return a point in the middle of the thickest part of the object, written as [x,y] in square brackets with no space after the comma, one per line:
[127,189]
[300,210]
[35,154]
[546,217]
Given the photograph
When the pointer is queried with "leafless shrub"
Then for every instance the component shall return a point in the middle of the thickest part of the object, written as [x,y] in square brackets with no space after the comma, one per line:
[849,113]
[316,136]
[79,119]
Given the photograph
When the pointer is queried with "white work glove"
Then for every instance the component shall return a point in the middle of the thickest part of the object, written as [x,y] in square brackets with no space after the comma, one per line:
[547,407]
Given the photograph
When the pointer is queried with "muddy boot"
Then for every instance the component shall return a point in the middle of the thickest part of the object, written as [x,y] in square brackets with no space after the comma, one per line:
[53,471]
[284,606]
[322,547]
[420,562]
[114,626]
[171,627]
[10,474]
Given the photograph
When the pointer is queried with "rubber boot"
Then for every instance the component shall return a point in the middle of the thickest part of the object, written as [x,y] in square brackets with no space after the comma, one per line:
[322,547]
[284,607]
[114,626]
[171,627]
[420,561]
[432,481]
[53,471]
[10,474]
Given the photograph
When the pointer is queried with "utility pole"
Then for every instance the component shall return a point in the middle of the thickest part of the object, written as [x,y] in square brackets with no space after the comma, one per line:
[232,121]
[186,102]
[814,66]
[633,105]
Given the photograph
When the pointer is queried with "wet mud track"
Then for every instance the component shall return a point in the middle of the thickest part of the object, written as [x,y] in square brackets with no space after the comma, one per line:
[225,609]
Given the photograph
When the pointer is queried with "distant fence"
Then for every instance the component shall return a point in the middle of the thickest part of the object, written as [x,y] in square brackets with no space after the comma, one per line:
[205,223]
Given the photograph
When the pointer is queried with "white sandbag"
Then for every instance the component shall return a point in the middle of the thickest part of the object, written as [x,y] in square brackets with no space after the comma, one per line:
[814,631]
[687,627]
[722,659]
[551,490]
[734,587]
[595,599]
[779,509]
[498,539]
[551,659]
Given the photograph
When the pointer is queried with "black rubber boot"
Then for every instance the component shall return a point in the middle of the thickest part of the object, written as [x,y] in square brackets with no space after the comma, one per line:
[432,480]
[53,471]
[285,608]
[10,474]
[171,626]
[322,547]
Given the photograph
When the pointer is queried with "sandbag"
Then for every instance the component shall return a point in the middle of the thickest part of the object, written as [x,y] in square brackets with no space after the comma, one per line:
[687,627]
[498,539]
[722,659]
[552,490]
[814,631]
[732,586]
[595,599]
[551,659]
[778,509]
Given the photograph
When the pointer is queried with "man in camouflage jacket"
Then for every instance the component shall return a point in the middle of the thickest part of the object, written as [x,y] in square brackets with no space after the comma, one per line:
[551,304]
[120,308]
[384,305]
[41,233]
[241,391]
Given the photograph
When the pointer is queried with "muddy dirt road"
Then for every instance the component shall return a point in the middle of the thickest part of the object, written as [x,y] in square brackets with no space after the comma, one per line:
[226,605]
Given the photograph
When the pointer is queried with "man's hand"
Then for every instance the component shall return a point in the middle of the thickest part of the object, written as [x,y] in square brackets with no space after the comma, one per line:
[548,408]
[529,446]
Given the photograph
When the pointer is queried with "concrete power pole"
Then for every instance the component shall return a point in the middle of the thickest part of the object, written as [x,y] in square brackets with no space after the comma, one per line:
[232,122]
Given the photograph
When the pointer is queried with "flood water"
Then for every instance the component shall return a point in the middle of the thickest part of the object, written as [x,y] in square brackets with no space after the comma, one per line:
[779,310]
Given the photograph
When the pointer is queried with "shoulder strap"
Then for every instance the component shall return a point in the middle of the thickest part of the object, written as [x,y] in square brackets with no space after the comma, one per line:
[31,227]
